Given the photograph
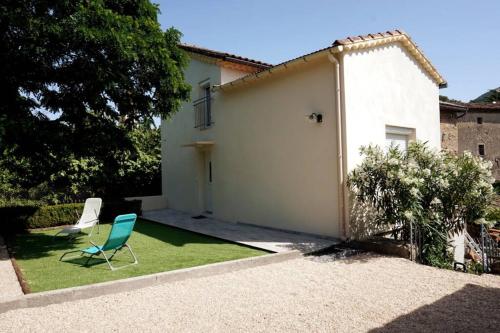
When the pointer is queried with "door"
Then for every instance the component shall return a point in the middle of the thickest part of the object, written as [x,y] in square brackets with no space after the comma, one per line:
[208,183]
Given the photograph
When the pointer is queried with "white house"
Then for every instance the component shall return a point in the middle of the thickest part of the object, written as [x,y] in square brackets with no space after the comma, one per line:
[272,145]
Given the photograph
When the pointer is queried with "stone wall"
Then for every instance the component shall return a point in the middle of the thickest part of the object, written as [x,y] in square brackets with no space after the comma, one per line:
[449,132]
[465,131]
[471,134]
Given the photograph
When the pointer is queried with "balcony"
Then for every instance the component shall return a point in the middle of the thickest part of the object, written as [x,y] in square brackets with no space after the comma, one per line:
[202,113]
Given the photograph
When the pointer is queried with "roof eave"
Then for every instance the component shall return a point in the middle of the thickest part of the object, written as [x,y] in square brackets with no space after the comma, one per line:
[345,46]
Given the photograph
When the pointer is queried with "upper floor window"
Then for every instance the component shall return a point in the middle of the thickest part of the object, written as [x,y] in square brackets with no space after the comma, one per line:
[479,120]
[480,149]
[202,109]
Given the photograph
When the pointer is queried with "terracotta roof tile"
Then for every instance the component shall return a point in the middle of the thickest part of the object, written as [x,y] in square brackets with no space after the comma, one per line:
[225,56]
[340,42]
[484,106]
[360,38]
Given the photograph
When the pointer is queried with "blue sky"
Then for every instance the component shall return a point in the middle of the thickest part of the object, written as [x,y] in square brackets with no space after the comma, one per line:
[461,37]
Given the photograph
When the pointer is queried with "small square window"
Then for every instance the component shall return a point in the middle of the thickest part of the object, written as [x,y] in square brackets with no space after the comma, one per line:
[479,120]
[398,137]
[481,150]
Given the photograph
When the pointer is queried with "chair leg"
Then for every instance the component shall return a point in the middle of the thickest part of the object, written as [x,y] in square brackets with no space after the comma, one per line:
[111,257]
[115,268]
[131,252]
[109,264]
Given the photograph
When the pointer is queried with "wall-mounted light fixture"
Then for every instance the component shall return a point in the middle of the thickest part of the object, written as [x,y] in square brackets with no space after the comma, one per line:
[315,117]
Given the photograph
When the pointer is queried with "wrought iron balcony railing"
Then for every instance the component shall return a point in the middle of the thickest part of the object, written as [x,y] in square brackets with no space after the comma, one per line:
[202,113]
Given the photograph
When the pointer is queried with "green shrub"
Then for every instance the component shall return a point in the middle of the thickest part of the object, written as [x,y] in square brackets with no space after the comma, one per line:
[434,191]
[11,202]
[22,215]
[475,267]
[51,216]
[493,214]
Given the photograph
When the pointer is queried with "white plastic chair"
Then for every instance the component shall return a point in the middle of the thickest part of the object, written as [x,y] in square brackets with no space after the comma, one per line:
[89,218]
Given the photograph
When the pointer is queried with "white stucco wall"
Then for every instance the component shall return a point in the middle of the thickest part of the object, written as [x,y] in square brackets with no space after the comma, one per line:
[386,86]
[271,166]
[180,165]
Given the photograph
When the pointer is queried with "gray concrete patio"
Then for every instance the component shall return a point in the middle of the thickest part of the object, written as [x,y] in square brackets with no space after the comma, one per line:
[264,238]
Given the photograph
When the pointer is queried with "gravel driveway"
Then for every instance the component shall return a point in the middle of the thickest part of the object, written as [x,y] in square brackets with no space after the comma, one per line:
[359,294]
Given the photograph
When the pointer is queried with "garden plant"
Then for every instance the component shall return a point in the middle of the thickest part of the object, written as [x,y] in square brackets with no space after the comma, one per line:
[437,193]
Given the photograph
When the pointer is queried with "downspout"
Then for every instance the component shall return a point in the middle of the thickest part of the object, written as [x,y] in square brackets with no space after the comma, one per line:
[340,146]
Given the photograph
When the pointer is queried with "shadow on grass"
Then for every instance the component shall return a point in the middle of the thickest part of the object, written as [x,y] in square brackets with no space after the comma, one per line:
[38,245]
[86,261]
[175,236]
[43,244]
[471,309]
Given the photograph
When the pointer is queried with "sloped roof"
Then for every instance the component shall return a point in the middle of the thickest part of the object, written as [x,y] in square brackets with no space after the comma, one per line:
[225,56]
[353,43]
[484,107]
[452,106]
[380,38]
[477,107]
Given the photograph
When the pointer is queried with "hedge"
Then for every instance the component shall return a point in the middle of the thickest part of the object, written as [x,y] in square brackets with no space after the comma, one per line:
[18,217]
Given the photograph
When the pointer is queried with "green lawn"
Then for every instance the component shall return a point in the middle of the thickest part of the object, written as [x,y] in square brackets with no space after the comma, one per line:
[158,248]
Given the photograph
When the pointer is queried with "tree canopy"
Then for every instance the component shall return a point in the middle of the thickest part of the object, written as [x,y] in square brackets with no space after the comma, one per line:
[70,57]
[77,77]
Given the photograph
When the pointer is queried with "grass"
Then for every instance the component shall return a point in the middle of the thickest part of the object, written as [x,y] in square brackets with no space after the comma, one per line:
[158,248]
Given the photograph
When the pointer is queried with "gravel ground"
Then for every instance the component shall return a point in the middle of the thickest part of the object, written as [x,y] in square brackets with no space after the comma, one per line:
[9,286]
[358,294]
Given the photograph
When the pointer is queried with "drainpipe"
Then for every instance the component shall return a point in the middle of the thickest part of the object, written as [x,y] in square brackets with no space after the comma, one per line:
[340,147]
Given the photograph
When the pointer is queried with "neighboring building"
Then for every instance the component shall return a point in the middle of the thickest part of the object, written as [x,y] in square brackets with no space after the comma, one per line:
[272,145]
[474,127]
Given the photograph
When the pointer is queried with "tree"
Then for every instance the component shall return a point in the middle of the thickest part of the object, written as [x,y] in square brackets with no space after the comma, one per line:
[443,98]
[76,78]
[109,57]
[491,96]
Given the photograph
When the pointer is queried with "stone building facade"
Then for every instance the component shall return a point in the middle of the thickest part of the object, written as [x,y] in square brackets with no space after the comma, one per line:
[472,127]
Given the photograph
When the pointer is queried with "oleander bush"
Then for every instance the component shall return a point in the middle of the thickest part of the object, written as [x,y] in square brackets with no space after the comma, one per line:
[436,192]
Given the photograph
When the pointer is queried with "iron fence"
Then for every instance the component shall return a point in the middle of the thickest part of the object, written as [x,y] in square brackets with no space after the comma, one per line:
[489,250]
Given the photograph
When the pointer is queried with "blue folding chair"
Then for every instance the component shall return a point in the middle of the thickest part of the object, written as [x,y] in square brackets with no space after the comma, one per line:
[118,236]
